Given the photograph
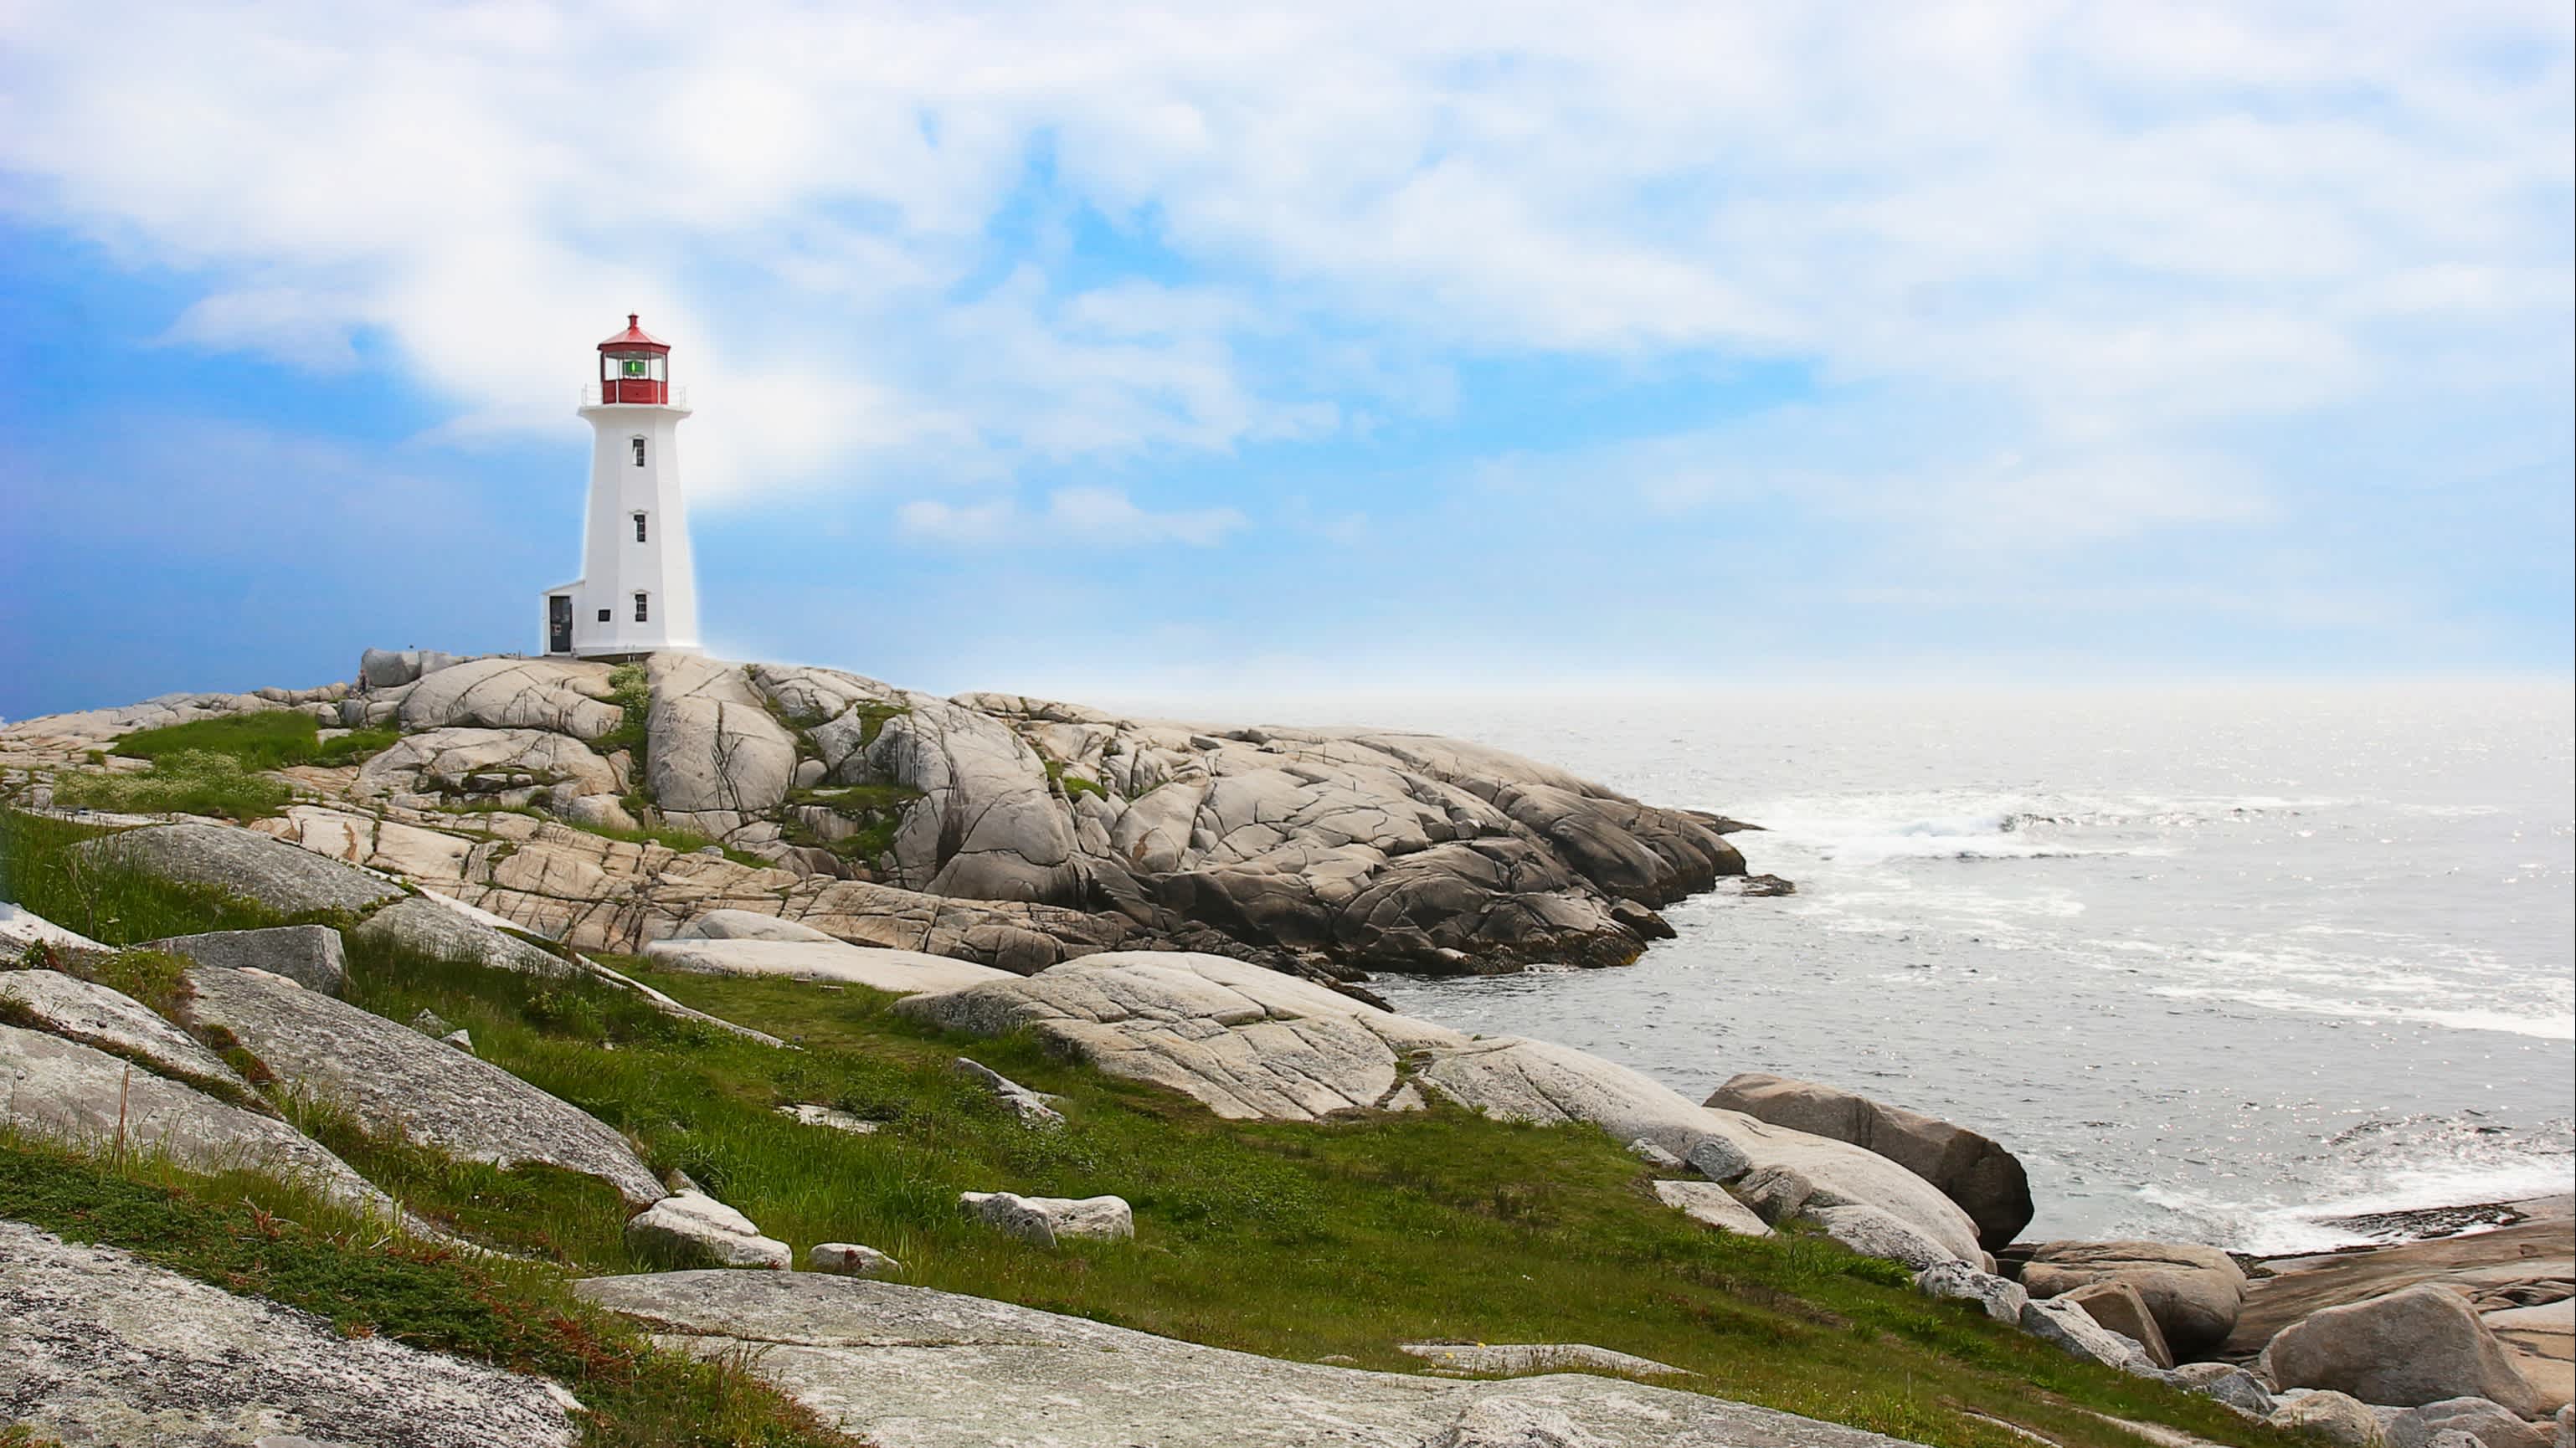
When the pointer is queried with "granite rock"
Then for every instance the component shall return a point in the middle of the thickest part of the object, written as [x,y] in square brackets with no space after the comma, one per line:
[2422,1344]
[1984,1179]
[693,1228]
[241,862]
[1048,1221]
[309,955]
[113,1022]
[2195,1292]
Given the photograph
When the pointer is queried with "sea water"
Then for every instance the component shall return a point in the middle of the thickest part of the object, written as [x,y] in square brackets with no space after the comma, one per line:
[2223,964]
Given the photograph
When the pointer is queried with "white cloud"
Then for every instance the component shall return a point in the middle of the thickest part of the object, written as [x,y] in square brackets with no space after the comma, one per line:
[1105,515]
[2125,222]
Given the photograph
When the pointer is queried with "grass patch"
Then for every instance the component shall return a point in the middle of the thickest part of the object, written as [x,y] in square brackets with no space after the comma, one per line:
[1073,785]
[189,781]
[250,1234]
[876,809]
[631,690]
[270,739]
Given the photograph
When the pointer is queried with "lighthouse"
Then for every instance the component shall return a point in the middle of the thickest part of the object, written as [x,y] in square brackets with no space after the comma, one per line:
[637,593]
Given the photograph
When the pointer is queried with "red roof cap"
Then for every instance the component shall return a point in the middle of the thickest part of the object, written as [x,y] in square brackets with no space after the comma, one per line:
[634,339]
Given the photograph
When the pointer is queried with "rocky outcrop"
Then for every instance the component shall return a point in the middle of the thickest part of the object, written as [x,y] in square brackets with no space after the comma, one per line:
[2487,1424]
[511,768]
[395,1080]
[113,1022]
[429,926]
[2073,1331]
[1984,1179]
[2528,1262]
[693,1228]
[936,1370]
[69,1092]
[2419,1345]
[97,1346]
[242,863]
[555,695]
[20,928]
[1252,1043]
[849,1259]
[901,972]
[2195,1292]
[309,955]
[747,925]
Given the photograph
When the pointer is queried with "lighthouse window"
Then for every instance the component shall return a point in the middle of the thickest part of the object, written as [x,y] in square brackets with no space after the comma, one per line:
[603,615]
[639,452]
[639,527]
[642,614]
[635,366]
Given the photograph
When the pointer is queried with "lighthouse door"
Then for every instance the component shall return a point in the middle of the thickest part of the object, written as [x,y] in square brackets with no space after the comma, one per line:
[559,623]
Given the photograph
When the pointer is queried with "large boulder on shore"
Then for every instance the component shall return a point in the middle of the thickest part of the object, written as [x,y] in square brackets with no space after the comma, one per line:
[396,1080]
[1985,1180]
[2420,1345]
[2195,1292]
[936,1370]
[252,866]
[98,1346]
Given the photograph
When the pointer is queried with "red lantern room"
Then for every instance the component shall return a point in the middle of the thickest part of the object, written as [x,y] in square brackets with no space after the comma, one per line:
[635,366]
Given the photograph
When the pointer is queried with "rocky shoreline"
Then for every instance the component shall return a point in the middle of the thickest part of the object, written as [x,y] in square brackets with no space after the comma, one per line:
[1179,906]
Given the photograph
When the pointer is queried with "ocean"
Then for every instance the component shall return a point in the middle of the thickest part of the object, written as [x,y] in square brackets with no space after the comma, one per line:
[2219,963]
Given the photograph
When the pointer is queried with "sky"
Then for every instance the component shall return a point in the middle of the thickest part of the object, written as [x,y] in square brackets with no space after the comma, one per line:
[1099,350]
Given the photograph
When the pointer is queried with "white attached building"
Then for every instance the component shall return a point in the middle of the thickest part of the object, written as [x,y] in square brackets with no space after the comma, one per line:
[637,593]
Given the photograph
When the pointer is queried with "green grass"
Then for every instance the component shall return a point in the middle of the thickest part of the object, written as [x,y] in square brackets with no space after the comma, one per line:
[271,739]
[216,766]
[631,690]
[251,1234]
[1293,1240]
[188,781]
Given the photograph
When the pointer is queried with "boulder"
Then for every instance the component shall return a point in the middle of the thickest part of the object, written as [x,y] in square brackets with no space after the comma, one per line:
[309,955]
[715,747]
[393,1079]
[98,1346]
[2490,1425]
[2228,1384]
[748,925]
[694,1228]
[428,925]
[1517,1359]
[2001,1298]
[1720,1160]
[113,1022]
[848,1259]
[2565,1437]
[1776,1193]
[2072,1330]
[1033,1108]
[1711,1205]
[2195,1292]
[1873,1233]
[69,1092]
[2335,1418]
[253,866]
[555,695]
[463,765]
[2419,1345]
[901,972]
[1046,1221]
[2116,1305]
[1985,1180]
[937,1370]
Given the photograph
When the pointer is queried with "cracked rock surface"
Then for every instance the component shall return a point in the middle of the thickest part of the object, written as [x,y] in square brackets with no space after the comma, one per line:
[913,1368]
[97,1346]
[1012,832]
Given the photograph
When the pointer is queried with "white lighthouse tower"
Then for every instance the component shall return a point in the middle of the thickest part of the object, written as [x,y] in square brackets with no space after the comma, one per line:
[637,593]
